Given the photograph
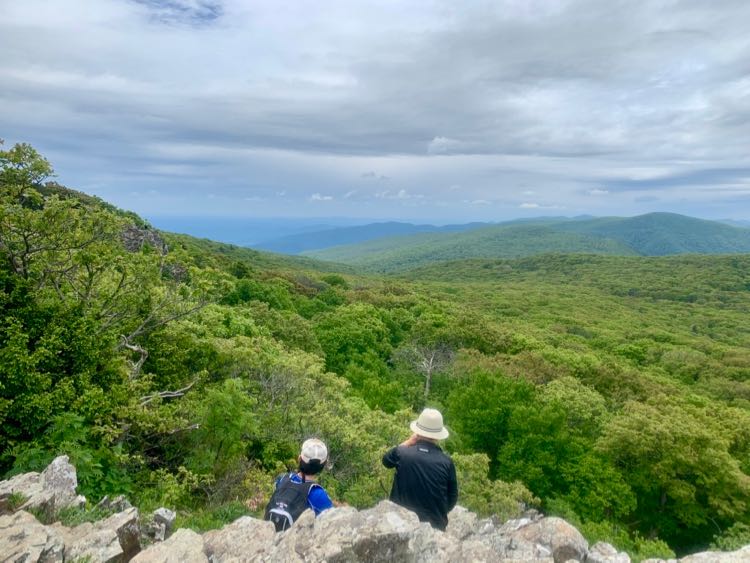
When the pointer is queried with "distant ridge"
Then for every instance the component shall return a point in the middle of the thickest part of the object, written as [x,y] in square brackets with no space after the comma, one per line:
[663,234]
[298,243]
[653,234]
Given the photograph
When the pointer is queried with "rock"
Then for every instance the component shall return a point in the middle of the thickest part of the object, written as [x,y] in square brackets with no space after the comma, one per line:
[113,539]
[430,545]
[156,531]
[292,544]
[48,492]
[562,539]
[118,504]
[60,478]
[24,539]
[244,539]
[383,533]
[165,517]
[87,542]
[184,546]
[24,488]
[135,237]
[127,527]
[461,523]
[739,556]
[602,552]
[471,551]
[160,525]
[508,548]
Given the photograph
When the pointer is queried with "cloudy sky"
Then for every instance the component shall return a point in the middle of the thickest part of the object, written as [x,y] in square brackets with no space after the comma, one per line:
[420,110]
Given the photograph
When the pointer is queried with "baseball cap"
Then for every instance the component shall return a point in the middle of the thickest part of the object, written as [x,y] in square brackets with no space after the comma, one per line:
[314,449]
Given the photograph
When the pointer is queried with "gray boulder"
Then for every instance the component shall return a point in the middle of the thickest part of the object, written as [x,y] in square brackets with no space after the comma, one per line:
[24,539]
[383,533]
[161,524]
[118,504]
[184,546]
[461,523]
[49,491]
[245,539]
[739,556]
[113,539]
[563,540]
[602,552]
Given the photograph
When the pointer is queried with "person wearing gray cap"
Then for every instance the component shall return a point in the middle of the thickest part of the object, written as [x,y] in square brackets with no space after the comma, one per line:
[425,480]
[298,491]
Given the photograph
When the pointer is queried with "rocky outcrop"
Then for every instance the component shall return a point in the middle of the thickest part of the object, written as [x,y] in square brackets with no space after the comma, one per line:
[184,546]
[134,238]
[386,532]
[739,556]
[602,552]
[161,524]
[47,492]
[23,538]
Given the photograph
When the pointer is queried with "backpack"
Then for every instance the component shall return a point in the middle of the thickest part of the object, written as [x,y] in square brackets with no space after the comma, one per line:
[288,501]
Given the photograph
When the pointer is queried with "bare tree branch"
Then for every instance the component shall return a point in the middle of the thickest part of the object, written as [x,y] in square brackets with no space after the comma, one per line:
[135,367]
[166,394]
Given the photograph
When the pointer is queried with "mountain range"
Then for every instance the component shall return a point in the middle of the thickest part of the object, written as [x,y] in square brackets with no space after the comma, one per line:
[653,234]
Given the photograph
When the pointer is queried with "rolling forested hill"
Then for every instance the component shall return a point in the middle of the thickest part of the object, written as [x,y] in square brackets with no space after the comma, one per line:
[611,390]
[663,234]
[655,234]
[298,243]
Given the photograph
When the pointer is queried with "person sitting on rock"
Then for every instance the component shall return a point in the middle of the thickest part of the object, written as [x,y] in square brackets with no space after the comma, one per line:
[425,480]
[297,491]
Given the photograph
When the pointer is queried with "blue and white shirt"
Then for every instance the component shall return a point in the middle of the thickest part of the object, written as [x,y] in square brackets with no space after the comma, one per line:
[317,499]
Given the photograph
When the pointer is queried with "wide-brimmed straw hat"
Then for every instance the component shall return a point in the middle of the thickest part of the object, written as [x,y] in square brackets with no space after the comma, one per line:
[430,425]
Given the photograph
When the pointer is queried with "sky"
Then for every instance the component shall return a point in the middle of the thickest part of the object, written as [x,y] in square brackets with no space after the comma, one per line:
[432,111]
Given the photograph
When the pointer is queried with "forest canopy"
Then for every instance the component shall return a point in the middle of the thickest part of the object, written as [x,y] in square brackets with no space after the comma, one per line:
[614,391]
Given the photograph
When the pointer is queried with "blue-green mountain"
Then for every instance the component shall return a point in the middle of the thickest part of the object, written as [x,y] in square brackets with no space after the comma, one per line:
[654,234]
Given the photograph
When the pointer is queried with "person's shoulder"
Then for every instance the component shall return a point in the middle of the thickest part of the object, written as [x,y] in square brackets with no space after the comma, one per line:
[444,455]
[317,490]
[318,498]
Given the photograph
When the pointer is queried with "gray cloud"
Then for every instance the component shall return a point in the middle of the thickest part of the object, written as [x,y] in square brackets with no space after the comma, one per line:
[184,98]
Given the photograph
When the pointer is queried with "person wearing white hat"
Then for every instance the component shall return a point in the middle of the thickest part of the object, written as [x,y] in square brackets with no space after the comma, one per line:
[297,491]
[425,480]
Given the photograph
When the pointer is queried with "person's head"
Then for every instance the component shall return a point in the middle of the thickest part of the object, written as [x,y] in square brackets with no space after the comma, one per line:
[313,456]
[429,425]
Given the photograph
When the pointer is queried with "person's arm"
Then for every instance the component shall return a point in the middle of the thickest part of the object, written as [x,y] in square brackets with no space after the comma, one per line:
[452,487]
[391,458]
[319,500]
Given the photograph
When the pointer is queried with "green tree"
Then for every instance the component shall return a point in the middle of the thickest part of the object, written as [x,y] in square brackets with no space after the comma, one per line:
[352,332]
[22,170]
[676,456]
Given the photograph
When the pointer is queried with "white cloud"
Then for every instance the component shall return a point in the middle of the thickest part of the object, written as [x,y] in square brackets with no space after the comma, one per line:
[529,206]
[400,194]
[187,96]
[444,145]
[319,197]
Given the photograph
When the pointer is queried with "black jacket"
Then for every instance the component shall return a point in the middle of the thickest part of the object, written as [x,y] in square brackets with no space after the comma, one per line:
[425,481]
